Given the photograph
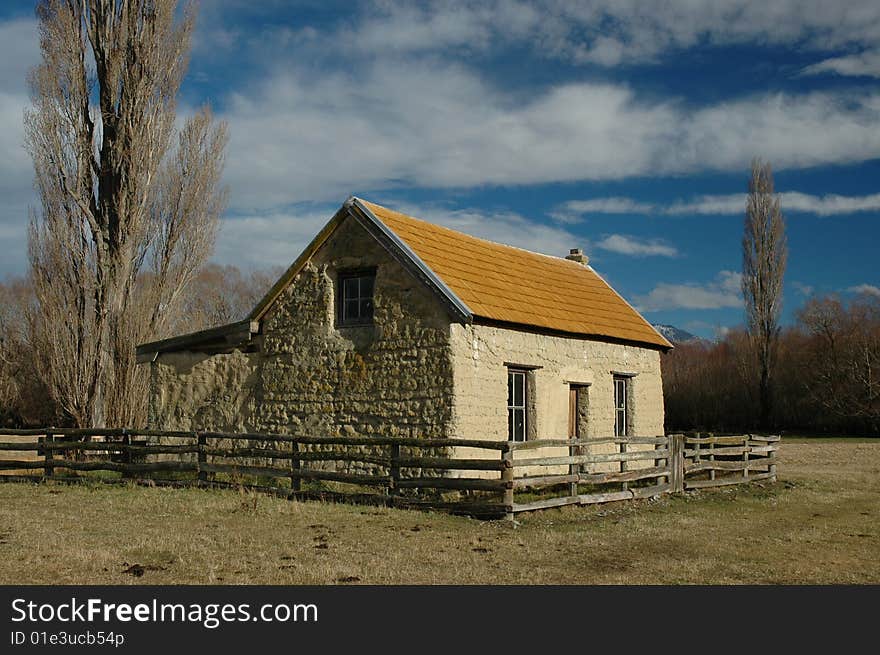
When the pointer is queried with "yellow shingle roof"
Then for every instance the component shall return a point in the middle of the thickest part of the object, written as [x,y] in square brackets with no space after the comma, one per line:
[503,283]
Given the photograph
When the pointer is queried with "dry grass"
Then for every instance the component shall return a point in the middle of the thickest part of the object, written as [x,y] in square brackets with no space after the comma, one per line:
[819,524]
[19,455]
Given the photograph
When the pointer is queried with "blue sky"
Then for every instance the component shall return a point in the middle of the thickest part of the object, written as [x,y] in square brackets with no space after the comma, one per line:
[624,128]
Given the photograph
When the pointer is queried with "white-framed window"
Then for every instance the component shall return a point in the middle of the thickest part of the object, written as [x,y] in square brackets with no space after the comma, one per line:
[517,412]
[621,406]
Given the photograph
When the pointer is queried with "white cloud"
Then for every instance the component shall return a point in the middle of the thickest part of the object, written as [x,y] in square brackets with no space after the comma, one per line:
[606,32]
[628,245]
[827,205]
[441,126]
[270,239]
[16,173]
[868,289]
[734,203]
[19,51]
[405,28]
[20,47]
[724,291]
[865,64]
[276,238]
[790,131]
[573,211]
[298,137]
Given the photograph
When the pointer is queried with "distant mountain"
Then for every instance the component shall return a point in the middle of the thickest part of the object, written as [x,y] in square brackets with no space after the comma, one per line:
[676,335]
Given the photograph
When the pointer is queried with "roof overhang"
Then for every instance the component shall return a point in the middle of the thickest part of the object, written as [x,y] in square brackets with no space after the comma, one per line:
[224,337]
[583,336]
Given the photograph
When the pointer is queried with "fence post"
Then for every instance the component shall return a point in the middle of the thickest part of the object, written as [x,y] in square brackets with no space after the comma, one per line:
[712,456]
[295,466]
[394,469]
[676,462]
[746,457]
[48,454]
[623,465]
[202,442]
[662,461]
[507,479]
[573,469]
[126,443]
[772,467]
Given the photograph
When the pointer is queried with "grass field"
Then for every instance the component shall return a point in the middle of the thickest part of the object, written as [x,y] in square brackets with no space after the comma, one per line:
[819,524]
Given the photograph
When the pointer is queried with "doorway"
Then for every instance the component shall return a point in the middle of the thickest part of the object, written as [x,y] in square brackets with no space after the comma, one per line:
[578,410]
[578,420]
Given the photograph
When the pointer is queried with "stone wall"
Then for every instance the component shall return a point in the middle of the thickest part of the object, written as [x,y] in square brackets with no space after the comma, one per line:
[190,390]
[391,378]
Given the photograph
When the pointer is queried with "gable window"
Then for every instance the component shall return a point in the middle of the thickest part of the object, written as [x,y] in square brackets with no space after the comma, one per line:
[355,305]
[517,413]
[621,406]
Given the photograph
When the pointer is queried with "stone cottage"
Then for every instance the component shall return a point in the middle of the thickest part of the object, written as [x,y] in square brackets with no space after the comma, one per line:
[390,325]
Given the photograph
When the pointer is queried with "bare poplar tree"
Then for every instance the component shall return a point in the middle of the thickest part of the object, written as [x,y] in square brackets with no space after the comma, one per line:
[765,253]
[129,204]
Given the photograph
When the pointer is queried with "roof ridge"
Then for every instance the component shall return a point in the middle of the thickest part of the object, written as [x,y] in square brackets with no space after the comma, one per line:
[465,234]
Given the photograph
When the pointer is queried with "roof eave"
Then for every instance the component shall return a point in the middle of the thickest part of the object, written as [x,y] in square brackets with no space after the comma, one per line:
[224,336]
[587,336]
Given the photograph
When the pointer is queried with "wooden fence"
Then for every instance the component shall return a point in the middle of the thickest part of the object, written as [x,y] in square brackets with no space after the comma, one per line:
[714,461]
[504,479]
[584,483]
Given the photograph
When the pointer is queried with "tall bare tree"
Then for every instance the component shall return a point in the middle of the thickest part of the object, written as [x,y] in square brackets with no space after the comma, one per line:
[765,253]
[129,204]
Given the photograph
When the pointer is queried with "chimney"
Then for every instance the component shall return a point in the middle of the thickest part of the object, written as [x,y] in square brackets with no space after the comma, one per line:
[577,255]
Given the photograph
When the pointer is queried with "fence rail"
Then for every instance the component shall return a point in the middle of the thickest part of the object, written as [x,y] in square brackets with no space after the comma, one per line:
[505,478]
[715,461]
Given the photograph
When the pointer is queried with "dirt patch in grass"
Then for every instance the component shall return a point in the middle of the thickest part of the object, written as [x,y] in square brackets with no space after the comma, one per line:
[818,524]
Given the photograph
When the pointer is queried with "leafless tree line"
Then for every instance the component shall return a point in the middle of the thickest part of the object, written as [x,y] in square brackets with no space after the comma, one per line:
[217,295]
[826,377]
